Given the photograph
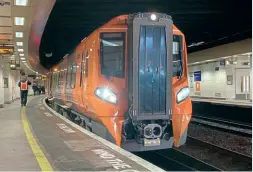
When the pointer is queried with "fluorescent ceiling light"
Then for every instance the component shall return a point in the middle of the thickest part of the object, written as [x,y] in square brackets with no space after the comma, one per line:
[24,61]
[21,2]
[21,55]
[19,21]
[195,44]
[20,50]
[22,58]
[19,34]
[19,43]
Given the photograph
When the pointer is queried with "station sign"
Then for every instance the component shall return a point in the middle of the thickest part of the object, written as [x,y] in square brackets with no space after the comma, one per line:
[197,76]
[222,62]
[44,77]
[6,50]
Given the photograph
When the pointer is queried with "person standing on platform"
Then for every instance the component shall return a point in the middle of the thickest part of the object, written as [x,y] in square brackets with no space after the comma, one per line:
[34,89]
[23,84]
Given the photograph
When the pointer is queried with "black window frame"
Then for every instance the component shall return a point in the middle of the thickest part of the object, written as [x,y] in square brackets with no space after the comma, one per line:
[69,72]
[123,38]
[87,64]
[73,75]
[81,70]
[179,39]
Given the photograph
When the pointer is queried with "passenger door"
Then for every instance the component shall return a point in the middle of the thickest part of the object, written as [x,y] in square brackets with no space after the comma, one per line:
[85,83]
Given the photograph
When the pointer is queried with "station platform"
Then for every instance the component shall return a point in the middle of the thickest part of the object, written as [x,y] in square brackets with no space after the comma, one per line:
[36,138]
[239,103]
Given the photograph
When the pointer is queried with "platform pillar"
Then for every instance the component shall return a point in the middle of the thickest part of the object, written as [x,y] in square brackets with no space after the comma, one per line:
[15,79]
[1,83]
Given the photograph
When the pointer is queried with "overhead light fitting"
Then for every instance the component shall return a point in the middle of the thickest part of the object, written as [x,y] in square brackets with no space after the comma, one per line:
[195,44]
[21,2]
[20,50]
[19,21]
[19,34]
[22,58]
[21,55]
[19,43]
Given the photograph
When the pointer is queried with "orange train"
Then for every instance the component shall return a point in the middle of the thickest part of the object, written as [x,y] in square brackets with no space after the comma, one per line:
[127,82]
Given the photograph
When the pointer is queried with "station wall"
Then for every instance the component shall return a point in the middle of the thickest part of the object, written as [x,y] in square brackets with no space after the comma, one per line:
[230,49]
[222,79]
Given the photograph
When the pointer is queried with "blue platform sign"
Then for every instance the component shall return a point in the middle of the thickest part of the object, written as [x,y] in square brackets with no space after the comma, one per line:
[222,62]
[197,76]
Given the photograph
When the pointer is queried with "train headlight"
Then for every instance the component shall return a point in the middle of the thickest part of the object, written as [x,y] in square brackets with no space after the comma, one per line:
[153,17]
[183,94]
[106,94]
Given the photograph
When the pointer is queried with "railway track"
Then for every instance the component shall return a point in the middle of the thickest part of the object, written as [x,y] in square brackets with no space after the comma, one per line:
[231,126]
[227,159]
[176,160]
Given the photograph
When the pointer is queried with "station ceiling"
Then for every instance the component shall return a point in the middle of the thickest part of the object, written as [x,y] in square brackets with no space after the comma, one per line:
[205,23]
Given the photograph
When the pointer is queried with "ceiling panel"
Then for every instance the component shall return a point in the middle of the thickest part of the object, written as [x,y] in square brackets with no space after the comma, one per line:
[6,29]
[5,8]
[5,21]
[213,22]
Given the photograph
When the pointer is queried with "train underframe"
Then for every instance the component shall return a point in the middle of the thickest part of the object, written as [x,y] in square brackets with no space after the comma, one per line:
[134,138]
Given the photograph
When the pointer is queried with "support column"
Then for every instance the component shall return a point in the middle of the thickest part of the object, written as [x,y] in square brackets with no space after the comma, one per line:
[15,80]
[8,96]
[30,90]
[1,83]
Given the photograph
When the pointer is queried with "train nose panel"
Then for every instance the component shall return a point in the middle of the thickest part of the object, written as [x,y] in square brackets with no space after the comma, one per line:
[150,66]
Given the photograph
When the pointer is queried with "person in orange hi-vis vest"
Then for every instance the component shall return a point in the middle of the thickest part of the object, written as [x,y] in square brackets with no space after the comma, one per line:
[23,84]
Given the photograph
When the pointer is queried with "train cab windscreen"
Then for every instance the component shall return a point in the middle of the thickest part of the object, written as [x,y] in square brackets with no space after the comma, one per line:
[112,54]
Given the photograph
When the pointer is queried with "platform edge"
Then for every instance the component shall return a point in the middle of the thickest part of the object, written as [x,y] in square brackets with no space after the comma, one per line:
[123,152]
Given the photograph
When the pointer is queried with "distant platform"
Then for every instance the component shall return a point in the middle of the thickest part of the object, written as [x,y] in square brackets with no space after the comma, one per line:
[239,103]
[35,138]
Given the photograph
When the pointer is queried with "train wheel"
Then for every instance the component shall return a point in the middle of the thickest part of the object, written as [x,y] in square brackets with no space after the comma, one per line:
[61,111]
[55,107]
[83,124]
[66,115]
[77,119]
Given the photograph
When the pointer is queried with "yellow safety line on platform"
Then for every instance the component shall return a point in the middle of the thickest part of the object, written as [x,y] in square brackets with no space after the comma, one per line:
[38,153]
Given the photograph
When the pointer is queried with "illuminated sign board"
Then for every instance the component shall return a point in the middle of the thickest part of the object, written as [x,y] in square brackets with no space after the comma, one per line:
[6,50]
[44,77]
[3,3]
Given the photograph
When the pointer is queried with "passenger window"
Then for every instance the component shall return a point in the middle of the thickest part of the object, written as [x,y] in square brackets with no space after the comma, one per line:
[69,76]
[53,81]
[86,64]
[61,79]
[81,70]
[112,48]
[177,55]
[57,80]
[73,76]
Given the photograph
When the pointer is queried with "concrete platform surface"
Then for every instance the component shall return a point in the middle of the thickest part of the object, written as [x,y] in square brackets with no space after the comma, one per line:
[57,144]
[15,152]
[239,103]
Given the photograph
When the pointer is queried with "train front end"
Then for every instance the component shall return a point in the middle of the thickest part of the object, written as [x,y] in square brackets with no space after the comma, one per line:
[159,105]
